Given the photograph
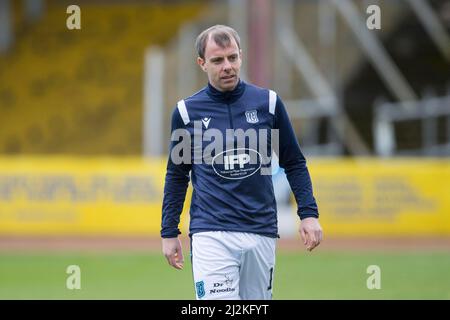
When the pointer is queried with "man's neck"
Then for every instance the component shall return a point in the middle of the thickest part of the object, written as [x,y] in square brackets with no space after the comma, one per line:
[228,95]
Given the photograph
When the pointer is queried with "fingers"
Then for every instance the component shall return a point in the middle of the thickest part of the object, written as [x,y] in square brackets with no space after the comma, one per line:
[311,233]
[308,238]
[319,236]
[311,238]
[180,261]
[176,260]
[173,252]
[303,235]
[317,239]
[313,241]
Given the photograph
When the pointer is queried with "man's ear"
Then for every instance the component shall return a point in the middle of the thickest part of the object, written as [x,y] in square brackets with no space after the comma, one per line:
[201,63]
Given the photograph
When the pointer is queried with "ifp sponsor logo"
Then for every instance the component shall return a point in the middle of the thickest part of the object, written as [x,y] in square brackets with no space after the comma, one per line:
[237,163]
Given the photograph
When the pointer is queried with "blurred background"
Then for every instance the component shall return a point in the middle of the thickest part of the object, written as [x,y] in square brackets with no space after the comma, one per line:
[86,95]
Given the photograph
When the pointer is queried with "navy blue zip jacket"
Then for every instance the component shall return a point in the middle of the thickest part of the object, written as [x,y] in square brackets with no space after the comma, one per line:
[230,191]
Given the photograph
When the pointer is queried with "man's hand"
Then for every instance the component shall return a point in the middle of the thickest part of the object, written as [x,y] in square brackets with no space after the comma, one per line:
[172,250]
[311,232]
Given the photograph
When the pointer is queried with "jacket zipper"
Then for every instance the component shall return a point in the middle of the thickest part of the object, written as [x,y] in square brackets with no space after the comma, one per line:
[229,116]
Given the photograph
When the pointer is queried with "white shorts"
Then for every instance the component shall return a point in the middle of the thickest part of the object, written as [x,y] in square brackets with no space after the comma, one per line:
[233,265]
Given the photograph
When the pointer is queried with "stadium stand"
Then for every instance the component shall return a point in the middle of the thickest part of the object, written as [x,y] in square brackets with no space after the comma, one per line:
[80,91]
[423,66]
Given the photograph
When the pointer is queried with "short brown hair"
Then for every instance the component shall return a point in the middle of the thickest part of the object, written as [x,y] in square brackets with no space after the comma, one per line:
[222,37]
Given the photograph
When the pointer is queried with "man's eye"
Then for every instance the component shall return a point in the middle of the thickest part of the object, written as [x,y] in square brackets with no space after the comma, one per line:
[232,58]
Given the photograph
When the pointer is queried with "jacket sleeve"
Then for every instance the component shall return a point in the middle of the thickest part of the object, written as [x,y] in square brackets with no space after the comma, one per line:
[293,162]
[175,186]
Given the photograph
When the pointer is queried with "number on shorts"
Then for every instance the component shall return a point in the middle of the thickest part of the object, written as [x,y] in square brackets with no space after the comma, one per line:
[270,281]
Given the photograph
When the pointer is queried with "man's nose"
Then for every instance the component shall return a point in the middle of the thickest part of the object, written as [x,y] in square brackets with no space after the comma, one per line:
[226,65]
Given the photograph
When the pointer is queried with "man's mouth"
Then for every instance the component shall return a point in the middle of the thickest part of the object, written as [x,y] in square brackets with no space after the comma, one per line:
[228,77]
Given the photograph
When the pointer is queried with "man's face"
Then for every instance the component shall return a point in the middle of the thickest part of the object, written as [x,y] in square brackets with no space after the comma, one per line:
[221,64]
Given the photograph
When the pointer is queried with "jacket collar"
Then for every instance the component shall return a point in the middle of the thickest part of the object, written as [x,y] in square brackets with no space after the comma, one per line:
[226,96]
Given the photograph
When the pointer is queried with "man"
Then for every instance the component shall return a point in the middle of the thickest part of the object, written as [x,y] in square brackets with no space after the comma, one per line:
[233,225]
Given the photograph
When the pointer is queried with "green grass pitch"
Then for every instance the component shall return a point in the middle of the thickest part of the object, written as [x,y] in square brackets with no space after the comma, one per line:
[317,275]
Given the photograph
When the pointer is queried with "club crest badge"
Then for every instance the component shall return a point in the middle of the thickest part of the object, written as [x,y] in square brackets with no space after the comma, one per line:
[252,116]
[200,287]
